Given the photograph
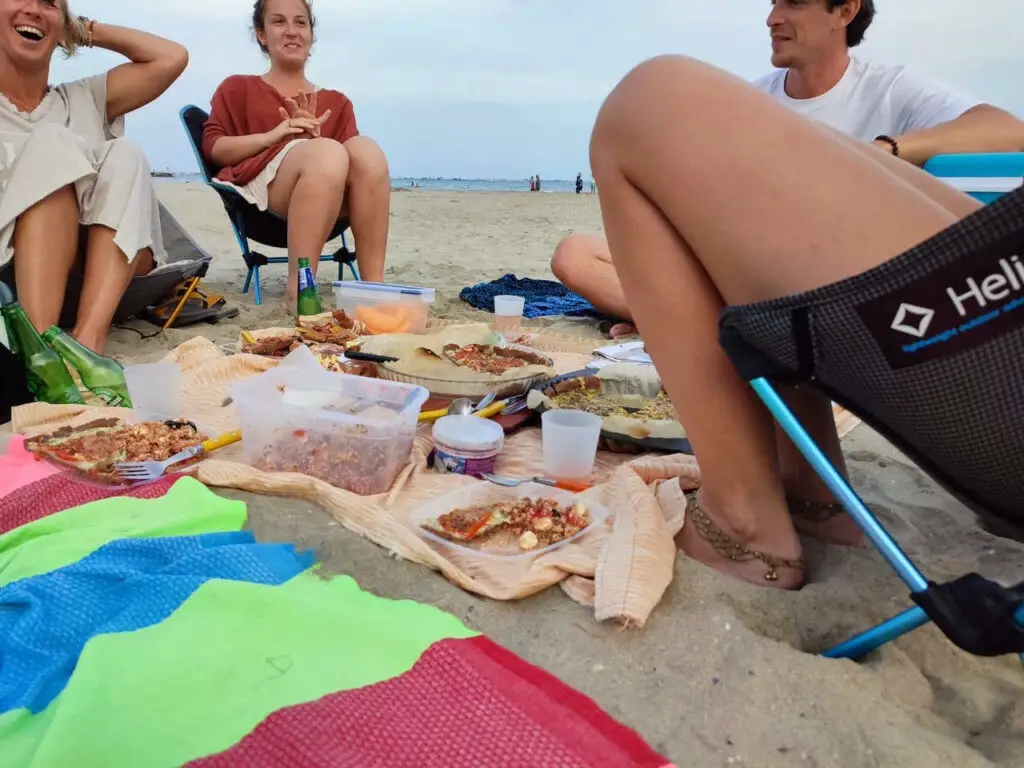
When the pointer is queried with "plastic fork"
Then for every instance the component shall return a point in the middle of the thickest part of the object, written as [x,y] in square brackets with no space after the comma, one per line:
[141,471]
[510,482]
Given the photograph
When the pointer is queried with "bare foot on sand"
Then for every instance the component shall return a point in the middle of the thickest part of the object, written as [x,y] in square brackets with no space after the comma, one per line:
[706,539]
[621,330]
[826,521]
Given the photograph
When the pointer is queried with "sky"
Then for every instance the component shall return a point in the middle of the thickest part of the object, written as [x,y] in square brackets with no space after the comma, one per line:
[509,88]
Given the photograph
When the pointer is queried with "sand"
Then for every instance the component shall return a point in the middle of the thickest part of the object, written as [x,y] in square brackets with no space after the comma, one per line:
[725,674]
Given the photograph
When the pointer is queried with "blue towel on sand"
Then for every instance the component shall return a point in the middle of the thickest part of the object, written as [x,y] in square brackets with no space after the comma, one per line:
[128,584]
[543,297]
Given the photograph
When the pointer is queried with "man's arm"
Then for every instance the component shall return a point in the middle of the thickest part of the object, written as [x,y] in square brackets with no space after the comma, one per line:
[935,119]
[982,128]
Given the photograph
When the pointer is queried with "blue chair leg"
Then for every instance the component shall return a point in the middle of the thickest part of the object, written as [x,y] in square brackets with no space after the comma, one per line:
[354,269]
[876,533]
[248,279]
[256,286]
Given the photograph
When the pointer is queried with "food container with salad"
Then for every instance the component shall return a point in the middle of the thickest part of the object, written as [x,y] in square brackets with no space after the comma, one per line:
[385,308]
[353,432]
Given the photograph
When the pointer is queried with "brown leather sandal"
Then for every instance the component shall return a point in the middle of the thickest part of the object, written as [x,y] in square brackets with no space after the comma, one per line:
[729,548]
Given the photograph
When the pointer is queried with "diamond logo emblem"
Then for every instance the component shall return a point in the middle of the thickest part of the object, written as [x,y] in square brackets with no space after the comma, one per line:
[913,320]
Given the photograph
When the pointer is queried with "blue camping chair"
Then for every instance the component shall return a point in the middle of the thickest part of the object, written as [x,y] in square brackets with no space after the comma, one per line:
[936,367]
[985,177]
[249,222]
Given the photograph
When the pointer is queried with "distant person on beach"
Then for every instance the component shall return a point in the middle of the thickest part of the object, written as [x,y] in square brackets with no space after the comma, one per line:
[79,204]
[579,183]
[593,187]
[890,108]
[291,147]
[533,184]
[537,185]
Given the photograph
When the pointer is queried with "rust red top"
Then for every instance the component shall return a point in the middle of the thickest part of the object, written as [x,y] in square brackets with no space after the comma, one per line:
[244,104]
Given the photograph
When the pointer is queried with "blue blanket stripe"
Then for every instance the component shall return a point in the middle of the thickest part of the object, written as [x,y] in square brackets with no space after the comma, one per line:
[128,584]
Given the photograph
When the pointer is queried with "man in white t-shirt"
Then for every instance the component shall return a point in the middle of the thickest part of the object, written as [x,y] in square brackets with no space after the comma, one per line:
[906,114]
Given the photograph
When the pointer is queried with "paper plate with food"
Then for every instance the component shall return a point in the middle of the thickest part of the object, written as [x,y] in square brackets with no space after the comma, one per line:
[636,412]
[460,361]
[519,523]
[91,450]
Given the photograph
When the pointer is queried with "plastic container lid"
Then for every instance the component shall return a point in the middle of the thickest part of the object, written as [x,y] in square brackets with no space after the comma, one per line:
[384,291]
[468,433]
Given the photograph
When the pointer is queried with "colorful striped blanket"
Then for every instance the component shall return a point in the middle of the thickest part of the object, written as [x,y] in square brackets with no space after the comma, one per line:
[149,629]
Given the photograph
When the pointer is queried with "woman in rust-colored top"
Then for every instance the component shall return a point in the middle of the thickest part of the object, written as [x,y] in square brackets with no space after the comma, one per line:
[293,148]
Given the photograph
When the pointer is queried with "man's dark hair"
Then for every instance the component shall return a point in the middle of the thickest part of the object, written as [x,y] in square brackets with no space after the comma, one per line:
[259,18]
[856,29]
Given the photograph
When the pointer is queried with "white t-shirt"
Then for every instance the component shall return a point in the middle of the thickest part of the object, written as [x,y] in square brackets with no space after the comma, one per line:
[875,99]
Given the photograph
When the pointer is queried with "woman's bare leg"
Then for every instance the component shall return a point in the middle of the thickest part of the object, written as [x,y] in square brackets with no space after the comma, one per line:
[45,246]
[369,203]
[107,275]
[308,191]
[583,264]
[822,517]
[713,194]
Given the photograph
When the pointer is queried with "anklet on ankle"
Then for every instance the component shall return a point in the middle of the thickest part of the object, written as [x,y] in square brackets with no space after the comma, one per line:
[731,549]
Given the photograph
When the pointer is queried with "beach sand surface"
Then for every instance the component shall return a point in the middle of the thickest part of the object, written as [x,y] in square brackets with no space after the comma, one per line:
[724,674]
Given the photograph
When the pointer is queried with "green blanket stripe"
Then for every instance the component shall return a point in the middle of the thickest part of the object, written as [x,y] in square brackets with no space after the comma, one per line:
[201,680]
[188,508]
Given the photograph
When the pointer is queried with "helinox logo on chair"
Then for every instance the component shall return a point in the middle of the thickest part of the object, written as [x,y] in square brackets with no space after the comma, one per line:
[956,308]
[912,320]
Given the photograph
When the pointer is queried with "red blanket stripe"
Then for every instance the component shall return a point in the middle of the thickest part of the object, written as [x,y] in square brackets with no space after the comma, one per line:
[464,704]
[59,492]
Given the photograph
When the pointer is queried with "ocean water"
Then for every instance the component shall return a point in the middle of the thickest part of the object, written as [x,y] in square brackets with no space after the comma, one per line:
[457,185]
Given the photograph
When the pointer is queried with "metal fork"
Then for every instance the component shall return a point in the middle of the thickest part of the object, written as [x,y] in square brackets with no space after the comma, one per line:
[514,405]
[141,471]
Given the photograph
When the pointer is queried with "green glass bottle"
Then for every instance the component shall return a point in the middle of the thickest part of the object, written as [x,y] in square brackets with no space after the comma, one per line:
[100,375]
[48,378]
[309,298]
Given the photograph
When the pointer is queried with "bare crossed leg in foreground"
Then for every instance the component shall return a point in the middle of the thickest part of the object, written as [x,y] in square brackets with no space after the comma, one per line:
[713,194]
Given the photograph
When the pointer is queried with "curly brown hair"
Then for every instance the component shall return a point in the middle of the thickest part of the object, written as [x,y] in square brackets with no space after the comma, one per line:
[259,19]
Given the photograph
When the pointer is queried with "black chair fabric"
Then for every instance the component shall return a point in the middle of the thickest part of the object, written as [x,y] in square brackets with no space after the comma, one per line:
[928,349]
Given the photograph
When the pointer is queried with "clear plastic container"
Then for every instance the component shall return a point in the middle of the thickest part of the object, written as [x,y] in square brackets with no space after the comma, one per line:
[466,445]
[507,548]
[352,432]
[385,308]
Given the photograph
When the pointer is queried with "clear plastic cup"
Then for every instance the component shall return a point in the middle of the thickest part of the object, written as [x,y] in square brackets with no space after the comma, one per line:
[570,444]
[508,312]
[155,389]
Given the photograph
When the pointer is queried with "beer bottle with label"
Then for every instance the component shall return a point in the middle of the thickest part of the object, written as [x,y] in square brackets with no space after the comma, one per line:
[47,377]
[309,298]
[100,375]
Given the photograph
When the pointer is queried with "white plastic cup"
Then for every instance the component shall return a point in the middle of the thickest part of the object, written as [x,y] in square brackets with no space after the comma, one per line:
[569,441]
[155,390]
[508,312]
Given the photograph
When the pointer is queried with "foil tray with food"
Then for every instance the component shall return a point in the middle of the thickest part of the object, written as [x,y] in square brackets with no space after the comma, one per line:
[90,451]
[485,521]
[636,412]
[460,361]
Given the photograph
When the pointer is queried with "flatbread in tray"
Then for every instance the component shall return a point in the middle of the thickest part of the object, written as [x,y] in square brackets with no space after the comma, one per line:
[635,410]
[439,356]
[92,449]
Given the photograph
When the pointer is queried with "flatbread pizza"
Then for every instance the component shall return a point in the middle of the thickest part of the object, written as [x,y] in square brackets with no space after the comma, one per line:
[94,448]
